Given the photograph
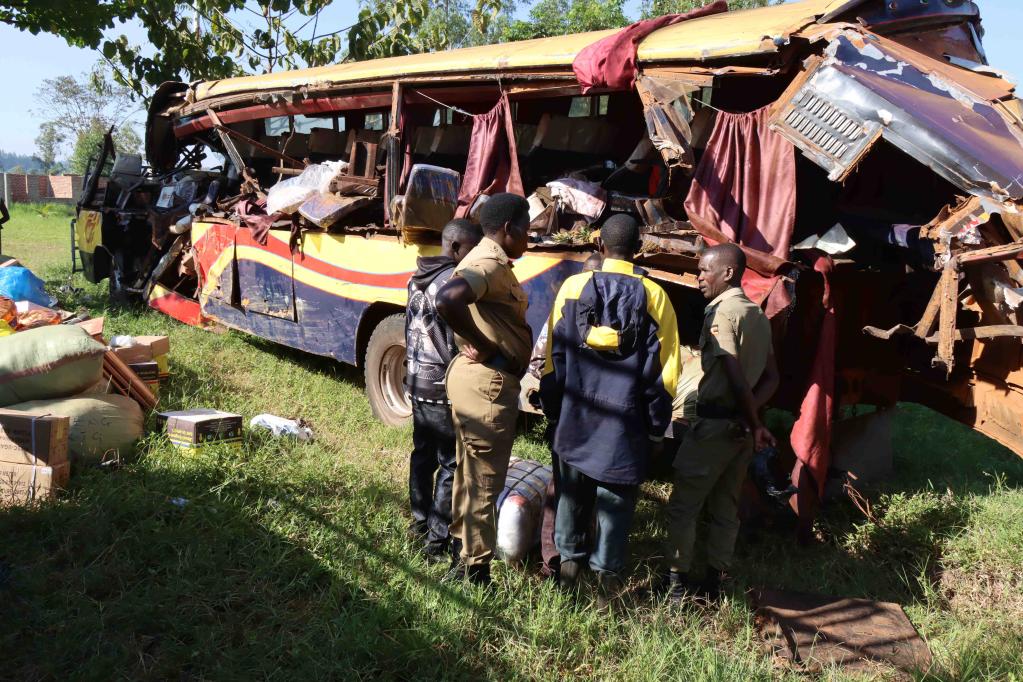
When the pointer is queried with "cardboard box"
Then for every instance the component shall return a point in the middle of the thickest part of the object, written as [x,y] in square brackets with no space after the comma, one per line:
[147,349]
[193,429]
[148,372]
[27,438]
[23,483]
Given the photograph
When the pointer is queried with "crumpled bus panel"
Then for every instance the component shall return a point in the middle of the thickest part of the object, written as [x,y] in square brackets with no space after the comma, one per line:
[862,83]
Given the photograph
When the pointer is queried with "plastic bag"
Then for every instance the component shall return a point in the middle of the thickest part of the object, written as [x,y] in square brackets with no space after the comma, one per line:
[8,316]
[31,316]
[279,426]
[287,195]
[19,284]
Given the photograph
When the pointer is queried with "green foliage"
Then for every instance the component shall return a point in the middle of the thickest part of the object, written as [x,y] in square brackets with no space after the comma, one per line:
[88,142]
[48,142]
[8,160]
[559,17]
[908,530]
[199,40]
[654,8]
[76,110]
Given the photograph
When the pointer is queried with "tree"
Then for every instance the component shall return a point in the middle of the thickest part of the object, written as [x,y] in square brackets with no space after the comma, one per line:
[206,39]
[49,142]
[445,25]
[558,17]
[87,145]
[74,107]
[655,8]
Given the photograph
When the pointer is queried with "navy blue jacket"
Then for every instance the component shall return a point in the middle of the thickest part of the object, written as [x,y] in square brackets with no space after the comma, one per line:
[611,371]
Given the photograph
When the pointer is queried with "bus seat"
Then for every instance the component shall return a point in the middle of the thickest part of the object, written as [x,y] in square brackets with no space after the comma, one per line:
[593,136]
[525,135]
[296,146]
[328,142]
[429,201]
[453,141]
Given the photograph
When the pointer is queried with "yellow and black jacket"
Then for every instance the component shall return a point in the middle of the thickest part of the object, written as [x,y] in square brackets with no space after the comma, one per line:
[611,370]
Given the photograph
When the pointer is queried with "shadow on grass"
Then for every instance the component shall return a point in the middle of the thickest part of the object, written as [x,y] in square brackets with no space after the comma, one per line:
[121,578]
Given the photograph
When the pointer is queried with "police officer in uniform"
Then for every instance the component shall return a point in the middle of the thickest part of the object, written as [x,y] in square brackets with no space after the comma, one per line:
[485,306]
[739,377]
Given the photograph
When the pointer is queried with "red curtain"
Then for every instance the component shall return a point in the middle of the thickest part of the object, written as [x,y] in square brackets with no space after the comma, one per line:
[811,434]
[611,62]
[745,183]
[493,164]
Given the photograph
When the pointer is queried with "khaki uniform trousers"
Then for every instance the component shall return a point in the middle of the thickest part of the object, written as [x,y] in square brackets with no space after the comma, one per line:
[484,408]
[709,470]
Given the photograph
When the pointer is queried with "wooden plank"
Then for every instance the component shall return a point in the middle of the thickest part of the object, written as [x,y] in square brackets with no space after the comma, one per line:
[949,286]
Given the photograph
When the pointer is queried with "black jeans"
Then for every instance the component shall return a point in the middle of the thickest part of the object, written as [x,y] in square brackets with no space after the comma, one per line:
[431,469]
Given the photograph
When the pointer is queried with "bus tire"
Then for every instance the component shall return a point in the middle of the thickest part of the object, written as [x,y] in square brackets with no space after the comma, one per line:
[385,372]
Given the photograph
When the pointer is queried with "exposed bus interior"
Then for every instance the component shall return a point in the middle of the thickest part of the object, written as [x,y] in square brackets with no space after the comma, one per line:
[915,211]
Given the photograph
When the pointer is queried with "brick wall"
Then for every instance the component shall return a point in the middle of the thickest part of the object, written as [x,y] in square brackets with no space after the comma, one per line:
[22,188]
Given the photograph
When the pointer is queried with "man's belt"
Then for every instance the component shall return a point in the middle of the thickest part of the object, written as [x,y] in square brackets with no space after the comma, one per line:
[709,411]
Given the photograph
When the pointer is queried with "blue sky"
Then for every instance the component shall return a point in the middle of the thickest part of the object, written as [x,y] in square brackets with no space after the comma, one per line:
[28,59]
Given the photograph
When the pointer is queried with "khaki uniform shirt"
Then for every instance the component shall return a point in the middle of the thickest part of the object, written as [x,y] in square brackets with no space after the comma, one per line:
[500,308]
[684,405]
[732,325]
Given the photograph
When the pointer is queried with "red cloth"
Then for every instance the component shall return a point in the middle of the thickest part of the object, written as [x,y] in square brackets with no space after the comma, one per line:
[493,164]
[745,183]
[611,62]
[811,434]
[252,214]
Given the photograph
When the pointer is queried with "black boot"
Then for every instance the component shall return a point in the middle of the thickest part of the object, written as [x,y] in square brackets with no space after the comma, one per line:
[568,574]
[610,587]
[435,552]
[710,586]
[479,574]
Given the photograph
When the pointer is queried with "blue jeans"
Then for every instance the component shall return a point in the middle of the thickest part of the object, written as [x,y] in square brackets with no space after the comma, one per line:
[615,504]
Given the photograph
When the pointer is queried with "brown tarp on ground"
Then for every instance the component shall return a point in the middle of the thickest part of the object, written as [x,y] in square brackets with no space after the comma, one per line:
[817,632]
[493,163]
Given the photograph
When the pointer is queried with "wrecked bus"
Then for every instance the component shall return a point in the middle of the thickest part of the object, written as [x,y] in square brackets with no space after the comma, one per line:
[862,152]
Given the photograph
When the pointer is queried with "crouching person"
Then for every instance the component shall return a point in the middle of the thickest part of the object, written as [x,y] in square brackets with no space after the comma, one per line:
[609,382]
[430,348]
[739,377]
[485,305]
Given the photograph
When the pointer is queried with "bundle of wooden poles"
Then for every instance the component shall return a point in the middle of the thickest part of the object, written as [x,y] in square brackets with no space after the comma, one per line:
[126,382]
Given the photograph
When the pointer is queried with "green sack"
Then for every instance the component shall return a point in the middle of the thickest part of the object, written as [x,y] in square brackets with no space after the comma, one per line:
[48,362]
[101,426]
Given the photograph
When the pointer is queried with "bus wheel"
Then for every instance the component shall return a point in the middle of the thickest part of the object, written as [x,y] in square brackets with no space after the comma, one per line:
[385,371]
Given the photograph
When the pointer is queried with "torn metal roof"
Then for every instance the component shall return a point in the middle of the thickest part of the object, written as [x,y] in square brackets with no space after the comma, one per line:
[950,120]
[730,34]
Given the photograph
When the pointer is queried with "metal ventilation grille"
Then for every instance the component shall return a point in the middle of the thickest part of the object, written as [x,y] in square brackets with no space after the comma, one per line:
[829,136]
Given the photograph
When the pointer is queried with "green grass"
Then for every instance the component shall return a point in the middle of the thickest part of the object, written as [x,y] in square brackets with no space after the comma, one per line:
[289,561]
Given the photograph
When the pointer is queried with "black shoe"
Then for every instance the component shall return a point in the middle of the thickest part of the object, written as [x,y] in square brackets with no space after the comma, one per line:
[479,574]
[435,552]
[456,573]
[710,587]
[610,588]
[417,531]
[568,574]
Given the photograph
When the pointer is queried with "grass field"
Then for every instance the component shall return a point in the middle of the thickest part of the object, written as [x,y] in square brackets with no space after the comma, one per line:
[289,561]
